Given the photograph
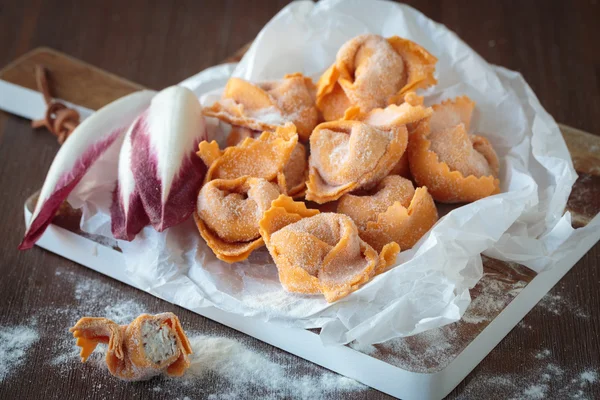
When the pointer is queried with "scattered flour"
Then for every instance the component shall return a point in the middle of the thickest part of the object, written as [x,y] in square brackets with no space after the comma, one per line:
[15,341]
[233,369]
[124,312]
[433,350]
[543,354]
[555,370]
[588,377]
[542,381]
[536,391]
[494,297]
[229,358]
[524,325]
[92,298]
[242,371]
[425,352]
[230,368]
[557,305]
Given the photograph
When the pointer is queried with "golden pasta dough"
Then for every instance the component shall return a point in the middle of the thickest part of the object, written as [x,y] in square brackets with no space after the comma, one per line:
[373,72]
[371,173]
[359,150]
[364,207]
[295,171]
[320,253]
[228,212]
[264,157]
[455,166]
[393,212]
[267,105]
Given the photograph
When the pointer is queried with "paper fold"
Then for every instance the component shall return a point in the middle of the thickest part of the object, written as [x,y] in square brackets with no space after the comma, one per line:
[430,287]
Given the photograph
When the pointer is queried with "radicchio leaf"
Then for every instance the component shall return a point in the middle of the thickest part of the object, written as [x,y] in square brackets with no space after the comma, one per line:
[167,172]
[88,142]
[127,213]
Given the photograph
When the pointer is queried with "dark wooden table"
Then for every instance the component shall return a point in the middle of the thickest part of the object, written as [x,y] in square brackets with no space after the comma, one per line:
[554,44]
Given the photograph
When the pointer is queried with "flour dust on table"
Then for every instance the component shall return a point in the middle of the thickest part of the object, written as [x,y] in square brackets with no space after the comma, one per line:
[91,297]
[227,368]
[433,350]
[235,369]
[545,380]
[231,368]
[15,346]
[245,370]
[557,305]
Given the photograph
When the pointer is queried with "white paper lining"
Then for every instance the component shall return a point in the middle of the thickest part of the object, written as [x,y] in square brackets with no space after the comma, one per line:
[430,286]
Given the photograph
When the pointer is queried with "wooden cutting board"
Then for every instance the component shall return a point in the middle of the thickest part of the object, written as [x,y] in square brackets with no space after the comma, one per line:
[70,79]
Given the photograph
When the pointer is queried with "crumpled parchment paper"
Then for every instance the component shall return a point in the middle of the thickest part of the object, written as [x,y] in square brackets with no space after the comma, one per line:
[429,287]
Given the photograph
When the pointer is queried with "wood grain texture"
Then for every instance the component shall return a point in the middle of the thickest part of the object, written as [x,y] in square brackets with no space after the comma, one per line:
[157,44]
[70,79]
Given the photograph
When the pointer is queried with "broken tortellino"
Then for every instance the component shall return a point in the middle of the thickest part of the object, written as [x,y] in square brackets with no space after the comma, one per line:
[267,105]
[358,151]
[373,72]
[320,253]
[150,345]
[228,212]
[456,167]
[393,212]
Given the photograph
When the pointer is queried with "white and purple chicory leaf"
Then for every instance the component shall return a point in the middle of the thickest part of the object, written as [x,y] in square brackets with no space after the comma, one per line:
[158,166]
[102,131]
[127,213]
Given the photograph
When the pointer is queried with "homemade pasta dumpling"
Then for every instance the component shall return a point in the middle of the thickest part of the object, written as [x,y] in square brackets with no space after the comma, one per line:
[455,166]
[295,171]
[228,212]
[264,157]
[265,106]
[393,212]
[320,253]
[150,345]
[359,150]
[373,72]
[364,207]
